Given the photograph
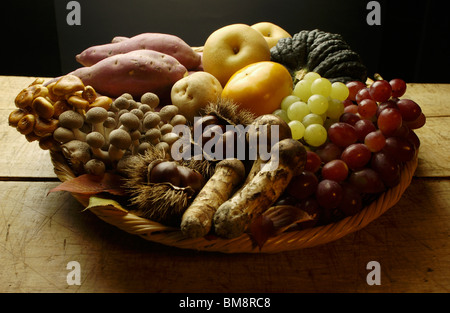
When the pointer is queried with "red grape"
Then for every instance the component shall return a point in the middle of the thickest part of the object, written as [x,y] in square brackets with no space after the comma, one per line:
[400,148]
[352,108]
[413,138]
[356,156]
[367,181]
[367,108]
[364,127]
[329,194]
[349,118]
[342,134]
[375,141]
[386,104]
[336,170]
[351,202]
[389,121]
[329,152]
[363,94]
[302,186]
[418,123]
[313,161]
[380,90]
[398,87]
[353,88]
[387,167]
[409,109]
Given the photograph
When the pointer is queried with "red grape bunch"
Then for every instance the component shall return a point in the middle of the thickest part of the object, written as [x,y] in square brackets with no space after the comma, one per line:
[364,154]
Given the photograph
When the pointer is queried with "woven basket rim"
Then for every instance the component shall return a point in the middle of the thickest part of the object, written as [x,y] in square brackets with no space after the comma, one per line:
[287,241]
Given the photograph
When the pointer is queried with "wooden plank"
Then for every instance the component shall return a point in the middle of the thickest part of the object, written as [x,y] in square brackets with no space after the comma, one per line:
[40,234]
[432,98]
[18,157]
[434,151]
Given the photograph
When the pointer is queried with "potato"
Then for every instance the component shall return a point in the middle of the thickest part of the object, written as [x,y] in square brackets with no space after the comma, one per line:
[192,93]
[135,72]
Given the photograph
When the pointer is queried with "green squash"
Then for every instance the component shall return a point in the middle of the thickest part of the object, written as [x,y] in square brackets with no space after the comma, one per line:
[317,51]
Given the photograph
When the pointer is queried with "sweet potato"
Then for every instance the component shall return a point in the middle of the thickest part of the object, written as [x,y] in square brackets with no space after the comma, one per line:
[135,72]
[164,43]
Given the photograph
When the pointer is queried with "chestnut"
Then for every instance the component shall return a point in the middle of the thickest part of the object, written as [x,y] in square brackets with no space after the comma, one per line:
[190,178]
[165,172]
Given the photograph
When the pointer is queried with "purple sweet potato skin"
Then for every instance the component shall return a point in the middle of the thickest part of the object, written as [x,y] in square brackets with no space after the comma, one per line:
[165,43]
[135,72]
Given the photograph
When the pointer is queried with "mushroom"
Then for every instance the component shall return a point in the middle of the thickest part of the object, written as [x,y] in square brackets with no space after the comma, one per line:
[151,120]
[26,124]
[15,116]
[73,121]
[150,99]
[77,152]
[95,167]
[168,112]
[120,141]
[96,141]
[102,102]
[67,84]
[129,122]
[96,117]
[63,135]
[43,107]
[45,127]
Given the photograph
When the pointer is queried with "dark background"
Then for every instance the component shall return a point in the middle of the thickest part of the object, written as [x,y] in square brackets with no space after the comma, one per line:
[412,41]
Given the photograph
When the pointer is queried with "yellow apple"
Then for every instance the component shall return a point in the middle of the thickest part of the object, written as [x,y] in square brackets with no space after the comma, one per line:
[271,32]
[231,48]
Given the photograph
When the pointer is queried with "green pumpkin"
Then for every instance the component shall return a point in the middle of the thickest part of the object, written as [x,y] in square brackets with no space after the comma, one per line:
[317,51]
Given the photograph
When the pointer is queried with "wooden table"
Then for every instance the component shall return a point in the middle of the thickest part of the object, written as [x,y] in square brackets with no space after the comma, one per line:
[41,233]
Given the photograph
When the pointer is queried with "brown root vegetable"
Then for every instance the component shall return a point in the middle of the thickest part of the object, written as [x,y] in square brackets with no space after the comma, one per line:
[164,43]
[288,158]
[136,72]
[197,219]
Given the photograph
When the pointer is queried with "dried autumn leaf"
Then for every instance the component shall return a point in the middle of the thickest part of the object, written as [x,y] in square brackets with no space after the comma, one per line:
[88,184]
[106,205]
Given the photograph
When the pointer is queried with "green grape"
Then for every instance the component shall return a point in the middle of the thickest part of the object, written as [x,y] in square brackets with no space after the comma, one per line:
[318,104]
[302,90]
[321,86]
[282,114]
[287,101]
[339,91]
[312,119]
[315,135]
[297,111]
[335,108]
[297,129]
[311,76]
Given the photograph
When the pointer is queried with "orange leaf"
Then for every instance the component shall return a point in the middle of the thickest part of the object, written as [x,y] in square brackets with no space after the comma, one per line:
[88,184]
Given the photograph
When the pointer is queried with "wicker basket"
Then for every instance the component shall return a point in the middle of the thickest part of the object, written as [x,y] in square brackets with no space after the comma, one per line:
[291,240]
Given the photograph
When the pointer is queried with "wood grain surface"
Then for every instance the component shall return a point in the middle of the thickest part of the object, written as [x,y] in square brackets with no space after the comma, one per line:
[41,233]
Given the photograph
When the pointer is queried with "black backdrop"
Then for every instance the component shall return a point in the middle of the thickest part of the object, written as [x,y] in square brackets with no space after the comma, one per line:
[411,43]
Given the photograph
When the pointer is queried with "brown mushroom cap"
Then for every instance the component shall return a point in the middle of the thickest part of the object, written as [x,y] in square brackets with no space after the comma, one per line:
[130,121]
[63,135]
[120,138]
[96,115]
[95,140]
[71,120]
